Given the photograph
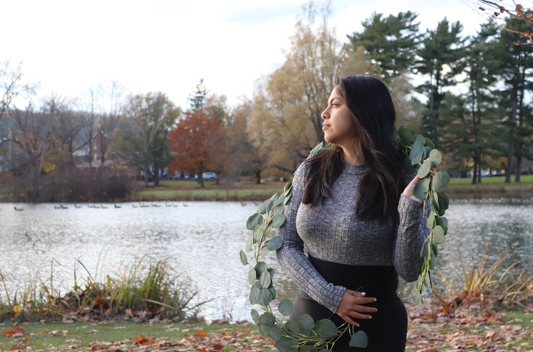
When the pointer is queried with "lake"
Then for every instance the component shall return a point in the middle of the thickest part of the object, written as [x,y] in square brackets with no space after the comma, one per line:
[202,240]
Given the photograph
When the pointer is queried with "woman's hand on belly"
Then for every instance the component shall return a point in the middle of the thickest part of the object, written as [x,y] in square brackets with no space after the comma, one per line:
[352,306]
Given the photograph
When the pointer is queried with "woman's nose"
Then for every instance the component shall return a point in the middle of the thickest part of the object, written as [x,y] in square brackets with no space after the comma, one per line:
[325,114]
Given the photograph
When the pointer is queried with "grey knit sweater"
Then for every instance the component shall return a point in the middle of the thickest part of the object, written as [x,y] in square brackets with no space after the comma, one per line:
[331,232]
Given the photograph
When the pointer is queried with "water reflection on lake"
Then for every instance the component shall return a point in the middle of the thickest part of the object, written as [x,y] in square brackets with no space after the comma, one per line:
[203,239]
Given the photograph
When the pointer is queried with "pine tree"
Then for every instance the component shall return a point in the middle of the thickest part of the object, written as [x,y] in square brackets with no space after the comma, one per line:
[440,58]
[389,41]
[467,121]
[516,61]
[198,99]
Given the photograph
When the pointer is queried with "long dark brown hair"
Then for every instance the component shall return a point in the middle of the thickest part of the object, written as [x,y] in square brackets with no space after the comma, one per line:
[373,117]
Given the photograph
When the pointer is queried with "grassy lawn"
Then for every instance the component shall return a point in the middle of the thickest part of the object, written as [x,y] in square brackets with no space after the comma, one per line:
[128,336]
[512,334]
[190,190]
[525,180]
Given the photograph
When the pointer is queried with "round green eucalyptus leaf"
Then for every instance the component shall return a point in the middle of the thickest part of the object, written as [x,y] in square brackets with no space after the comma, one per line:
[440,210]
[395,136]
[252,276]
[271,272]
[415,150]
[274,332]
[418,158]
[265,279]
[326,328]
[406,165]
[306,322]
[421,189]
[421,139]
[427,151]
[438,235]
[435,157]
[307,348]
[431,219]
[275,243]
[263,330]
[443,222]
[267,318]
[435,249]
[258,232]
[250,243]
[440,181]
[278,220]
[405,134]
[283,344]
[445,199]
[255,316]
[244,259]
[423,171]
[264,253]
[285,307]
[442,205]
[430,143]
[432,261]
[435,198]
[316,149]
[253,221]
[279,208]
[260,267]
[258,285]
[292,327]
[287,199]
[265,297]
[272,291]
[254,295]
[279,201]
[288,186]
[427,281]
[266,206]
[417,297]
[359,339]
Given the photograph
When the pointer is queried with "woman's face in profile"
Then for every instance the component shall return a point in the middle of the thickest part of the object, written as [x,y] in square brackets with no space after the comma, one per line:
[337,123]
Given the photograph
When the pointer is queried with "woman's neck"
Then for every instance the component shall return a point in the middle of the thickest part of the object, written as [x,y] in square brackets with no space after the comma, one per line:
[352,157]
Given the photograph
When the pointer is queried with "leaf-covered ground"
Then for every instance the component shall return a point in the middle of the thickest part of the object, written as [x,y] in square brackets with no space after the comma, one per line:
[468,328]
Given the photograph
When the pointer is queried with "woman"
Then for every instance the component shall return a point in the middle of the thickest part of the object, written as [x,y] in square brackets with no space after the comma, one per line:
[354,210]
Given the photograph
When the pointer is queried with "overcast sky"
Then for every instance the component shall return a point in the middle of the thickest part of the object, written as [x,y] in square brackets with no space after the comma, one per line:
[168,45]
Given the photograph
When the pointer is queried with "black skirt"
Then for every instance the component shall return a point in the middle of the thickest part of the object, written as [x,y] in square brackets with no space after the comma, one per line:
[387,330]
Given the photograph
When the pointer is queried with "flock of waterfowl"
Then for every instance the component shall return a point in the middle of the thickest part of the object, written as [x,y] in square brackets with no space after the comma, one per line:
[116,206]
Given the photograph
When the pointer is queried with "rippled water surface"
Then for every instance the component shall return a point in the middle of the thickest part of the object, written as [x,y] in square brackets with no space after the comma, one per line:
[202,240]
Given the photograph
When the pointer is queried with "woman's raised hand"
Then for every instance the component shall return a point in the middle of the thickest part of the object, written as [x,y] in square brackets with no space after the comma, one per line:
[351,307]
[409,190]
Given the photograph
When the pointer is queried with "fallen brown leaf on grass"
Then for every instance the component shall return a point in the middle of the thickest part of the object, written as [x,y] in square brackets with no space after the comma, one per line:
[15,331]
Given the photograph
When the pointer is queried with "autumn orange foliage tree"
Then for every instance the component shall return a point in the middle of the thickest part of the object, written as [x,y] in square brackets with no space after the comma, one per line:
[198,143]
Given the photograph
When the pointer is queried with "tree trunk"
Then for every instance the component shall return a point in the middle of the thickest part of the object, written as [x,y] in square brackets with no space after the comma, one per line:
[156,177]
[509,169]
[200,172]
[518,169]
[146,174]
[258,177]
[474,172]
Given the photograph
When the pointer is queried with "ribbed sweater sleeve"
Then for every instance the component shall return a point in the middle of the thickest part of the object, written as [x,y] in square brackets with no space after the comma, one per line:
[292,258]
[412,233]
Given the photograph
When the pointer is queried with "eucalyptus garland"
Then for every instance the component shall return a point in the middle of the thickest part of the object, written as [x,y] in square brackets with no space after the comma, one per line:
[308,335]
